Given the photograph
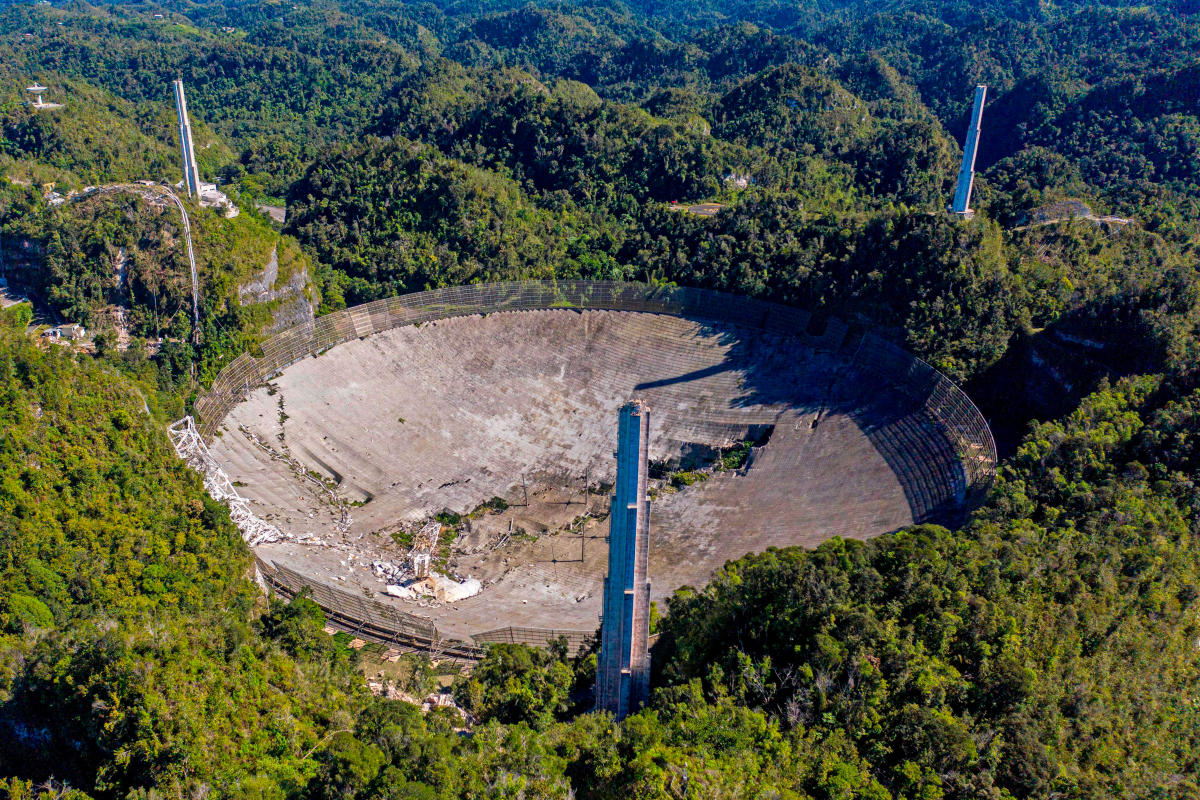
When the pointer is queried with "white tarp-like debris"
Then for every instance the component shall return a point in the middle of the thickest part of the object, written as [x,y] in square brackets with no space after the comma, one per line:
[448,590]
[400,582]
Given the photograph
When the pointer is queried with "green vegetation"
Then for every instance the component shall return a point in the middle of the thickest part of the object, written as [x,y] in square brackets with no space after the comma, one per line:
[735,457]
[117,264]
[127,657]
[517,684]
[1045,650]
[969,663]
[687,477]
[71,150]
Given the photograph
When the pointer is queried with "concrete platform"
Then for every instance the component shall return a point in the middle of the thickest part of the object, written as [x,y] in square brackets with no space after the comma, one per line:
[393,428]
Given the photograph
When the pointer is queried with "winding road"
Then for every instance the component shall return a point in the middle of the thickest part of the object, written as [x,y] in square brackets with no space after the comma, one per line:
[151,193]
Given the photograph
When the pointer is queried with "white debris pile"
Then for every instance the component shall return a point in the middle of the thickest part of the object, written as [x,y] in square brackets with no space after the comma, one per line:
[390,571]
[435,587]
[448,590]
[190,447]
[399,581]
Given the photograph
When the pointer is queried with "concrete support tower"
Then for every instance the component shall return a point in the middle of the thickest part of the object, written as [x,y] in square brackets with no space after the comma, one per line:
[623,668]
[191,173]
[966,175]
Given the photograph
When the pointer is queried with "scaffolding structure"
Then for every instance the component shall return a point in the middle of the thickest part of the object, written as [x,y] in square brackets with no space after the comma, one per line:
[424,543]
[190,447]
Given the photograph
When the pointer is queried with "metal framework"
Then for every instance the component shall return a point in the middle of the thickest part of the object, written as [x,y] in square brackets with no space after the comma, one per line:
[385,624]
[949,414]
[424,543]
[945,402]
[190,447]
[355,614]
[577,641]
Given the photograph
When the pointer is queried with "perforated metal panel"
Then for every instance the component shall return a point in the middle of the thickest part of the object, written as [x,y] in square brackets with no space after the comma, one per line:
[959,419]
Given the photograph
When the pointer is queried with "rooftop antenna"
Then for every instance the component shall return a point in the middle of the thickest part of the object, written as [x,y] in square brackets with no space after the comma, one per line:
[191,174]
[966,175]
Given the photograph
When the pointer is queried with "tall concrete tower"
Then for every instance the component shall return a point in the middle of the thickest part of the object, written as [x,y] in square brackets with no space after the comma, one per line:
[623,667]
[191,173]
[966,175]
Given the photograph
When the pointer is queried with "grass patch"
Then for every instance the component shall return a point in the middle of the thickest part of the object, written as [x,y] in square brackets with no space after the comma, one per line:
[687,478]
[736,457]
[493,506]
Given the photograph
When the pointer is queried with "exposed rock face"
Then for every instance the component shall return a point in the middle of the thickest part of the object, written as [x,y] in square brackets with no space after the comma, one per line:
[291,304]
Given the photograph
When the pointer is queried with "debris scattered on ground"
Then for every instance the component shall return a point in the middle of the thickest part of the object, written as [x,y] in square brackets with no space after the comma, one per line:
[434,700]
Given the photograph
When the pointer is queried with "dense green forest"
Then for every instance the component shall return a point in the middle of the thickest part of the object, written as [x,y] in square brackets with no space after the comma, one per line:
[1047,649]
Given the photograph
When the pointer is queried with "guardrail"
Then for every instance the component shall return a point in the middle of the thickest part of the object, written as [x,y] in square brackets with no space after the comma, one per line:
[377,622]
[576,641]
[363,617]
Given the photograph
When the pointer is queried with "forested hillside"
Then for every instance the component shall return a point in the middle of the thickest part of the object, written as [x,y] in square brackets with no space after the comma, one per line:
[1047,649]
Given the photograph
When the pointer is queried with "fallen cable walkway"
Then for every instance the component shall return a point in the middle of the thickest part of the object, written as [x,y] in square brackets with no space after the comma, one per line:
[363,618]
[190,447]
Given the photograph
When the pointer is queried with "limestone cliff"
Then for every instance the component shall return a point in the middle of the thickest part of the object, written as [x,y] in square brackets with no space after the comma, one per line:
[289,295]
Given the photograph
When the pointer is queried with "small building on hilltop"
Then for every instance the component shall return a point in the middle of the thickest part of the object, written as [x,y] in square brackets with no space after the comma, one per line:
[68,330]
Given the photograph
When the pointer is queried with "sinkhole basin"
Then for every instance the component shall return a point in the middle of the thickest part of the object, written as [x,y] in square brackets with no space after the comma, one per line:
[348,432]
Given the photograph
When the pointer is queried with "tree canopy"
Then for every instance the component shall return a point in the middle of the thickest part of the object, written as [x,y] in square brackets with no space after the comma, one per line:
[1046,649]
